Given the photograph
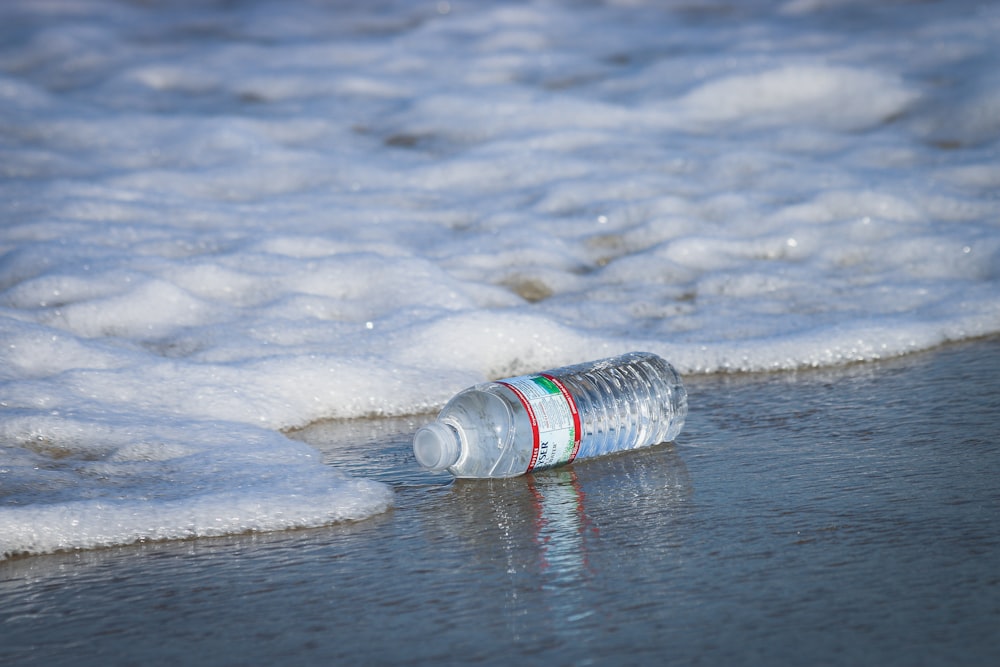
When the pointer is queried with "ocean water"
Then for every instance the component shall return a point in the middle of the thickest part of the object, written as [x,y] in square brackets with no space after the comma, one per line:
[819,517]
[220,222]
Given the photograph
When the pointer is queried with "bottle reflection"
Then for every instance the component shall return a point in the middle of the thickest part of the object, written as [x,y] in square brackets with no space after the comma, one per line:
[558,535]
[561,524]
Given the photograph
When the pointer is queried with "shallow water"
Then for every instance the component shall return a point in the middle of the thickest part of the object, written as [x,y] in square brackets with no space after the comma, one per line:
[848,516]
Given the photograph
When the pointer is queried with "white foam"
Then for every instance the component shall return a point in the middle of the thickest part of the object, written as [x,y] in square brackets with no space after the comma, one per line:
[211,236]
[839,98]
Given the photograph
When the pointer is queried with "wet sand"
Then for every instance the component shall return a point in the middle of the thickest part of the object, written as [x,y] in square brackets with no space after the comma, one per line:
[843,516]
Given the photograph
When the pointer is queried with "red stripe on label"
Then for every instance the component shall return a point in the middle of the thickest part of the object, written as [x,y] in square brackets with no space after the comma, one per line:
[535,440]
[572,408]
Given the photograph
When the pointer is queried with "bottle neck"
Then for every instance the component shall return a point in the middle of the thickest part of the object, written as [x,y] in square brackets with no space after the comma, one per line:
[437,446]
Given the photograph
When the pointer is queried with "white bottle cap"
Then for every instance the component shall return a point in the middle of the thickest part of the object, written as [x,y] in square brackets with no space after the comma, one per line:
[436,446]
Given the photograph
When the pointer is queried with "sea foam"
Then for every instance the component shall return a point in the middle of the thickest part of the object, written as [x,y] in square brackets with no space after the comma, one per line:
[222,222]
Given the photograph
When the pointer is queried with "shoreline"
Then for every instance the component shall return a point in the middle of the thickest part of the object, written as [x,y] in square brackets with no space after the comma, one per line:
[845,516]
[322,432]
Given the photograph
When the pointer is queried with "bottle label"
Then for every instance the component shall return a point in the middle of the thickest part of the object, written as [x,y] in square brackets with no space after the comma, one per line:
[555,421]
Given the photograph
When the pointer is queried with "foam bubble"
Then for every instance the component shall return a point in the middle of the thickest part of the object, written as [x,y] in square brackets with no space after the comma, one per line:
[840,98]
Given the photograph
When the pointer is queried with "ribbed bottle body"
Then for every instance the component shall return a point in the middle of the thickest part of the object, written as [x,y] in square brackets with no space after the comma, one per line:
[635,400]
[509,427]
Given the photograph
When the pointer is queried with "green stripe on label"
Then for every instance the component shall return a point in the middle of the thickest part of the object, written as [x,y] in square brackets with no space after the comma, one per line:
[548,385]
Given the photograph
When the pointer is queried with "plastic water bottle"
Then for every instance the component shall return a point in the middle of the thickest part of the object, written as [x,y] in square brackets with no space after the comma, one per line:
[509,427]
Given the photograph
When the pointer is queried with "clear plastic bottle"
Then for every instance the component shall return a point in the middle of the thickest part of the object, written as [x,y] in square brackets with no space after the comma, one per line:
[509,427]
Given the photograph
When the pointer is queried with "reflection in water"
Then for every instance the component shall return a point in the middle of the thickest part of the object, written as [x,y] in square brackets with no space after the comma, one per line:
[561,533]
[562,530]
[561,522]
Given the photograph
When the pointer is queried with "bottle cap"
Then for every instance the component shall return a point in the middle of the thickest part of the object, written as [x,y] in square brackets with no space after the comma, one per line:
[436,446]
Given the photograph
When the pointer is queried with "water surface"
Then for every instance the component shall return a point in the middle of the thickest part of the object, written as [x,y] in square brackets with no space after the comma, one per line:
[849,516]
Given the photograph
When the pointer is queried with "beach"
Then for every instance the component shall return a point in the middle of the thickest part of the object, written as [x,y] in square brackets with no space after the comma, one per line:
[843,516]
[248,248]
[220,223]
